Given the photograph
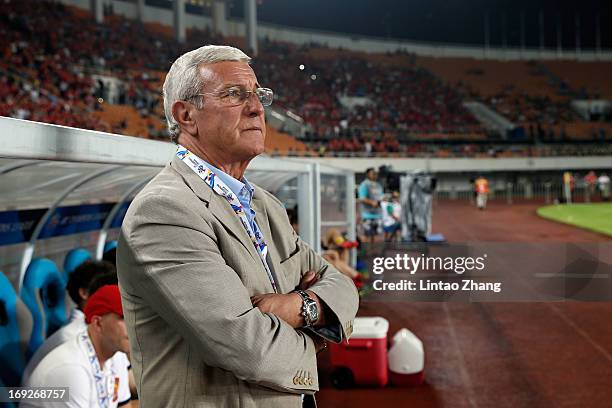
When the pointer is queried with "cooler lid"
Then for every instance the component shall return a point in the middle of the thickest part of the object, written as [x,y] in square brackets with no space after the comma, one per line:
[370,328]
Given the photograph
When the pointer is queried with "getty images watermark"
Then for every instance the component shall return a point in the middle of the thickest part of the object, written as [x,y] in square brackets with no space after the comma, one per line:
[422,263]
[412,264]
[495,271]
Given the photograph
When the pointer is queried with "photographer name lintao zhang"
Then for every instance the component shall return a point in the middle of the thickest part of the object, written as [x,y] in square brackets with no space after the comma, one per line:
[422,263]
[427,285]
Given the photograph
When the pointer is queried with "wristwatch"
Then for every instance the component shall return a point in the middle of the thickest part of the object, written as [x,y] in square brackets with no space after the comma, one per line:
[310,311]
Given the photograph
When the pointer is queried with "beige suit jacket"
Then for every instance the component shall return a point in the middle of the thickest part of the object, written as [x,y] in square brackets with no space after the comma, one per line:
[187,270]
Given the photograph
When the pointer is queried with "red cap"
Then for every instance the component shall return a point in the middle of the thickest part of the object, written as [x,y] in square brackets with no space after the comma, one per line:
[105,300]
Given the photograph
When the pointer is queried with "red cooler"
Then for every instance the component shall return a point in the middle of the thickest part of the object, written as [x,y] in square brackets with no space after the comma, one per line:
[363,359]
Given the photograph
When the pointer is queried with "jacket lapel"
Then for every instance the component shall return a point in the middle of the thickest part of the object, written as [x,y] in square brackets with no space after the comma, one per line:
[218,206]
[195,183]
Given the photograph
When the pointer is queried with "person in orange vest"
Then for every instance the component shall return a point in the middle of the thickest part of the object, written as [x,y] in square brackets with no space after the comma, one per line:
[481,186]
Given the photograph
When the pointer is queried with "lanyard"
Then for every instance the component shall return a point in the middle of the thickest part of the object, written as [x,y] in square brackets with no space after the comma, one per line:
[210,178]
[101,385]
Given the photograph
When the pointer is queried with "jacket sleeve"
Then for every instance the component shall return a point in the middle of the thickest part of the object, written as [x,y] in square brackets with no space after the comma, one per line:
[335,290]
[175,266]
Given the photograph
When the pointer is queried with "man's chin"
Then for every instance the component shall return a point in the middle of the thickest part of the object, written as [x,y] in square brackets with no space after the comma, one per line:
[257,149]
[248,149]
[260,149]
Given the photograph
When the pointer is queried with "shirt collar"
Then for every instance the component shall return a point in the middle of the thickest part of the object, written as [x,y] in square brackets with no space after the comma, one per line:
[76,314]
[242,189]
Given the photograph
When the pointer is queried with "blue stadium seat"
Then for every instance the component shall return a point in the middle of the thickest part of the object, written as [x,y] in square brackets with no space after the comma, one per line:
[73,259]
[110,245]
[43,293]
[11,355]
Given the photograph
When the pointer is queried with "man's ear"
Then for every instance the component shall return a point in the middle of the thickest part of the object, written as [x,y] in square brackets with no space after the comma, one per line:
[183,113]
[96,322]
[83,294]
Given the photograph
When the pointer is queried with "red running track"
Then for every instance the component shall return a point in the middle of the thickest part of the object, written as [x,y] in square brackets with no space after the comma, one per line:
[496,354]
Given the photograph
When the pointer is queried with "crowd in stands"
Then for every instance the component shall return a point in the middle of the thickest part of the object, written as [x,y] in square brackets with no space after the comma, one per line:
[399,97]
[54,59]
[443,150]
[50,53]
[522,108]
[36,79]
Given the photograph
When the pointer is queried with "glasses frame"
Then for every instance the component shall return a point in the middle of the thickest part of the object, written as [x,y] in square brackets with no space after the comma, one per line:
[245,95]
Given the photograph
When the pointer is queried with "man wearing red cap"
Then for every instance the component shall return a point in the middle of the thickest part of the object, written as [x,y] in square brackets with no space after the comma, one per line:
[79,289]
[85,364]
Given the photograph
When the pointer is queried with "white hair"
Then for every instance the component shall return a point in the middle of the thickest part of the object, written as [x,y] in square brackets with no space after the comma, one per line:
[184,80]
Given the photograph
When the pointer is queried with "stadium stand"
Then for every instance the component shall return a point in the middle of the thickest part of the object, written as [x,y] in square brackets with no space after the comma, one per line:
[79,76]
[592,78]
[351,103]
[535,95]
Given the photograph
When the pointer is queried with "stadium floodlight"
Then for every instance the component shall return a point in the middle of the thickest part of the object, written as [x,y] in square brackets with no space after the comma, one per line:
[301,67]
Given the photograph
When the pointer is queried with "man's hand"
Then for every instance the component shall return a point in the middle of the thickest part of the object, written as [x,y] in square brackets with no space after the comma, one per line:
[309,279]
[285,306]
[289,306]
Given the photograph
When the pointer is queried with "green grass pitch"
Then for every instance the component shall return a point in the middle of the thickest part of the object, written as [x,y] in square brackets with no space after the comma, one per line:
[595,216]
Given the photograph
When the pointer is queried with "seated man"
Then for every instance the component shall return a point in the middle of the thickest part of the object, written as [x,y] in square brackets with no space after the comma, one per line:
[110,278]
[77,287]
[84,363]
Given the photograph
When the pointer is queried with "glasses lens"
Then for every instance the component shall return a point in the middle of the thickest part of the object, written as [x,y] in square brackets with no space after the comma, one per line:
[235,96]
[265,96]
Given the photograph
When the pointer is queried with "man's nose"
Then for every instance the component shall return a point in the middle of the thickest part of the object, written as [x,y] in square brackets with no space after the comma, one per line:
[253,105]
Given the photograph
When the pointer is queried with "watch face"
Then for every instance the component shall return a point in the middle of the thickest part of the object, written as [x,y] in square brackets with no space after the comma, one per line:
[312,311]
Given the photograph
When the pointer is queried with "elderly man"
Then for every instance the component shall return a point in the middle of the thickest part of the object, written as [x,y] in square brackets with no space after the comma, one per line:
[225,305]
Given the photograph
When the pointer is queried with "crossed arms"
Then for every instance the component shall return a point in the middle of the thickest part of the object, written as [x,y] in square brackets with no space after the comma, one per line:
[179,272]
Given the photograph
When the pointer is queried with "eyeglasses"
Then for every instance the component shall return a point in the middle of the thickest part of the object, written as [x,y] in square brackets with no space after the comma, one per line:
[236,95]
